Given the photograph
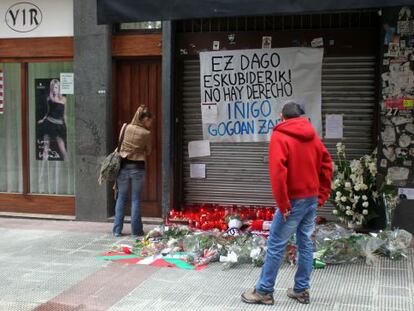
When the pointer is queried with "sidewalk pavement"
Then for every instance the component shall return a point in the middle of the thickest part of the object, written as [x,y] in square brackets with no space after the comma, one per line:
[52,265]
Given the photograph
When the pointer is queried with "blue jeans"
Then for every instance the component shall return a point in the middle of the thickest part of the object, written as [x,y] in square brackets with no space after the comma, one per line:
[302,222]
[135,177]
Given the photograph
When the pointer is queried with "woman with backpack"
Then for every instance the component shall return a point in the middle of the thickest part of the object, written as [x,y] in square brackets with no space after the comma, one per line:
[134,148]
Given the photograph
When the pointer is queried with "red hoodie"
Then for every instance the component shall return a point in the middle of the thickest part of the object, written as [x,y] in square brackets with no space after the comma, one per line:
[299,164]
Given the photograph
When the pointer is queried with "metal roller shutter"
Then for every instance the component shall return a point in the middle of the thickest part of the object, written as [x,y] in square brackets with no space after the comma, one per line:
[237,173]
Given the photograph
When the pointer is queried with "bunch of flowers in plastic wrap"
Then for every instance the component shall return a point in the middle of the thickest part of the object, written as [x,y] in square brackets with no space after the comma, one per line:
[245,248]
[396,243]
[336,245]
[203,247]
[333,245]
[356,193]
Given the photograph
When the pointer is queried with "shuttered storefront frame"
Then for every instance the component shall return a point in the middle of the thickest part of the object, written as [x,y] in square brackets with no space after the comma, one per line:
[237,173]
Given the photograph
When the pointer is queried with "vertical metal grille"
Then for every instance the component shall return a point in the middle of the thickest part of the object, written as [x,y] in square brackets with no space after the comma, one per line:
[349,88]
[337,20]
[237,173]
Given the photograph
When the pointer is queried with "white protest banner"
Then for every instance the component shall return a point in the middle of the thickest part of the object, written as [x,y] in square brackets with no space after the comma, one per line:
[250,88]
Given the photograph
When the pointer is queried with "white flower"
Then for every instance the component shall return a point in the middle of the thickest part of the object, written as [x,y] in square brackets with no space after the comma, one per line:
[343,199]
[375,194]
[356,167]
[337,182]
[358,223]
[335,212]
[348,185]
[356,198]
[364,197]
[359,179]
[340,147]
[338,193]
[348,208]
[365,212]
[357,187]
[373,168]
[353,177]
[365,204]
[363,187]
[389,180]
[349,213]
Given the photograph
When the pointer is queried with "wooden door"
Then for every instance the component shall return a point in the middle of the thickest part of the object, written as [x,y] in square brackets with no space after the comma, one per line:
[138,81]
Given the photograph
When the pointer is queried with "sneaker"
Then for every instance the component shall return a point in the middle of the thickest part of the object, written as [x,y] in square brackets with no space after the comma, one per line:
[117,235]
[253,297]
[302,297]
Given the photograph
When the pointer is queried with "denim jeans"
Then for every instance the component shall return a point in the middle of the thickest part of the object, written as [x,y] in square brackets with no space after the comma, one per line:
[134,176]
[302,222]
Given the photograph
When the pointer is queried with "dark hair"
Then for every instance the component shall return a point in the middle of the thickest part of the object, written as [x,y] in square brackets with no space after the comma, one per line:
[292,110]
[146,113]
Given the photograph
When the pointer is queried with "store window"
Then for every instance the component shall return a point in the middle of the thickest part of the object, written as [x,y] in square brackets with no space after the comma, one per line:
[10,128]
[51,130]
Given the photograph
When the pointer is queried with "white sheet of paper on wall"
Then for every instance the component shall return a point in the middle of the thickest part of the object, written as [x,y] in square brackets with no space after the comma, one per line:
[317,42]
[388,135]
[209,113]
[198,148]
[389,153]
[216,45]
[393,49]
[398,173]
[404,141]
[401,152]
[408,192]
[266,42]
[401,120]
[197,170]
[409,128]
[334,126]
[67,82]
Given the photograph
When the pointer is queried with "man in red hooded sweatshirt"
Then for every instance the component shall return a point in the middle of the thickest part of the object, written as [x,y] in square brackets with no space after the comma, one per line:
[300,173]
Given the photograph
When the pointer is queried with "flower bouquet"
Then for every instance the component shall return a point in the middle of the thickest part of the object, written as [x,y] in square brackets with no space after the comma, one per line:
[358,193]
